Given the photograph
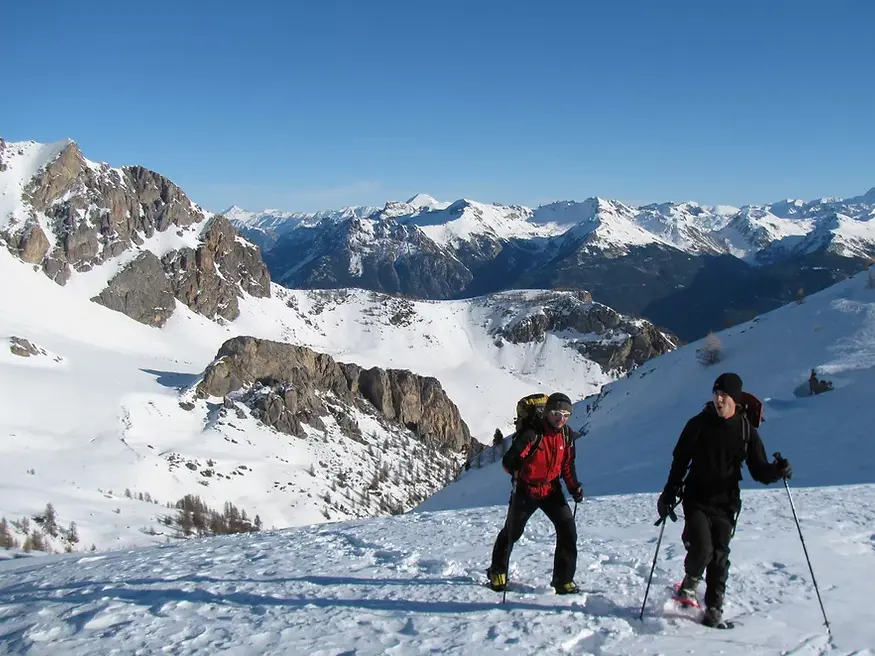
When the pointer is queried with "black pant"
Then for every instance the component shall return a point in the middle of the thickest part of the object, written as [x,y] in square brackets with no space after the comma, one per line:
[555,507]
[706,536]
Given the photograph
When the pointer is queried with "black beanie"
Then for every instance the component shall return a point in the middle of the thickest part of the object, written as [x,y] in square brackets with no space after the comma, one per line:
[730,384]
[558,401]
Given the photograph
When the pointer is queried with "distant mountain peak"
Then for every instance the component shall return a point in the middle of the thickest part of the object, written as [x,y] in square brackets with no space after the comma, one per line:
[424,201]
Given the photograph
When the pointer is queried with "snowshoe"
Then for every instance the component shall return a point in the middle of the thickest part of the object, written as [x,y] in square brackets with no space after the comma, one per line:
[685,596]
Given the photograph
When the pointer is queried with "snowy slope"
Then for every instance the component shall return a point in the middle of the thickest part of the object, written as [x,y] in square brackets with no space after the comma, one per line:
[844,235]
[413,585]
[465,220]
[608,225]
[100,411]
[689,226]
[424,201]
[755,229]
[633,424]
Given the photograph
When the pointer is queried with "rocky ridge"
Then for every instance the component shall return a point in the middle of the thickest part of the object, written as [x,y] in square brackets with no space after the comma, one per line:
[288,386]
[75,215]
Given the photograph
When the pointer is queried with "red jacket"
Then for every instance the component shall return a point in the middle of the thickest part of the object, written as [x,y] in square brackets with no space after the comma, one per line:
[540,463]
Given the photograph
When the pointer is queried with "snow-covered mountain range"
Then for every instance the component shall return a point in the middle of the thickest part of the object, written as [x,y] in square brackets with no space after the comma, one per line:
[755,233]
[147,355]
[641,260]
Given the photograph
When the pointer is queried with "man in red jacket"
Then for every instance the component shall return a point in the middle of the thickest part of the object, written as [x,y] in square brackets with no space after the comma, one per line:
[538,457]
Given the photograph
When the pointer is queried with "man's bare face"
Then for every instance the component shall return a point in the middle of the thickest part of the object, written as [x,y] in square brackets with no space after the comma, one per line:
[724,404]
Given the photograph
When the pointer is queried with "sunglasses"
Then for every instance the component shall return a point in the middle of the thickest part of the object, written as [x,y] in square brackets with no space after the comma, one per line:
[560,413]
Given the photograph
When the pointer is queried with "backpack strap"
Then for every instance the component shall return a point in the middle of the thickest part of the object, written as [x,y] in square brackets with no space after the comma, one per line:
[745,435]
[539,435]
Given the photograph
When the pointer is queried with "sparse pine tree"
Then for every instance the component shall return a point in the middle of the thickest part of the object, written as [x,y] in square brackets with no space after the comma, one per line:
[23,525]
[72,535]
[128,493]
[50,521]
[186,523]
[35,541]
[6,539]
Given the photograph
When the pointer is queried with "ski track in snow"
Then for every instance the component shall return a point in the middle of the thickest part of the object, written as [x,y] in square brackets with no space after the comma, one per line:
[414,584]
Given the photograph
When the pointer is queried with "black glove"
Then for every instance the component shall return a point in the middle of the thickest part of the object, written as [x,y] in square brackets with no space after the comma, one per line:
[577,494]
[665,505]
[782,466]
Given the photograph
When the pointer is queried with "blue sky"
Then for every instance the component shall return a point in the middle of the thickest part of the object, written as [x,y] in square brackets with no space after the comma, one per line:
[304,106]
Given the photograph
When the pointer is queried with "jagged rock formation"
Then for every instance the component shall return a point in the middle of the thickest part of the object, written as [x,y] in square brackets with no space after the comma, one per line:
[140,290]
[81,215]
[23,347]
[616,342]
[209,279]
[289,385]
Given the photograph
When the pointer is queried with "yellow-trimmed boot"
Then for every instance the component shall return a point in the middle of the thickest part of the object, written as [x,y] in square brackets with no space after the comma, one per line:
[497,580]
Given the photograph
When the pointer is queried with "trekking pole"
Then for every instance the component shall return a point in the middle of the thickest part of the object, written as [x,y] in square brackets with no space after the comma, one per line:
[507,525]
[661,522]
[805,550]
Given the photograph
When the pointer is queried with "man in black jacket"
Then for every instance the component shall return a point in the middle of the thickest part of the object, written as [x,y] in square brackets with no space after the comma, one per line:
[709,454]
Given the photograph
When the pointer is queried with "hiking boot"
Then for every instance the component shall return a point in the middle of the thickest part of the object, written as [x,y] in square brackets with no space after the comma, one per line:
[566,588]
[713,616]
[687,592]
[497,580]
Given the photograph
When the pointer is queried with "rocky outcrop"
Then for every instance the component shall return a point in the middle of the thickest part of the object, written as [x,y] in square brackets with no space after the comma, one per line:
[418,402]
[209,279]
[629,351]
[616,342]
[23,348]
[98,212]
[288,385]
[141,291]
[32,244]
[95,213]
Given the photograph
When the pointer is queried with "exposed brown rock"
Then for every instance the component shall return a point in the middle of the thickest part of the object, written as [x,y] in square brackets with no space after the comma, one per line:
[96,213]
[285,383]
[141,291]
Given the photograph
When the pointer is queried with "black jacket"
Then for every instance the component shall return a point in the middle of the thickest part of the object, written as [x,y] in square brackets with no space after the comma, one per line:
[712,449]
